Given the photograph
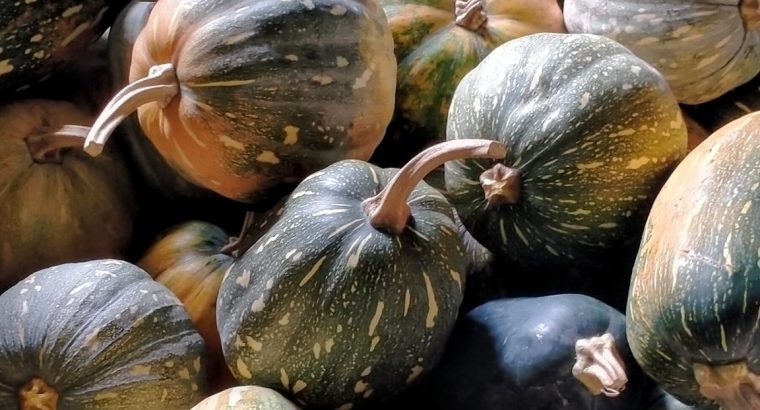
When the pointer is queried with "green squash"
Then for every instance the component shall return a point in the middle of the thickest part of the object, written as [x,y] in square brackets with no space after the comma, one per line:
[694,299]
[436,44]
[349,297]
[97,335]
[703,48]
[57,204]
[246,398]
[39,37]
[591,132]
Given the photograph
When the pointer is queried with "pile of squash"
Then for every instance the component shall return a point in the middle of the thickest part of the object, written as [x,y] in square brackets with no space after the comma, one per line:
[372,204]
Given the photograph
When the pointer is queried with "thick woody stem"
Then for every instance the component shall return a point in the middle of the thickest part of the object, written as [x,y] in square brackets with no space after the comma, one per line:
[501,185]
[470,14]
[46,147]
[37,395]
[599,366]
[750,11]
[389,210]
[160,86]
[732,386]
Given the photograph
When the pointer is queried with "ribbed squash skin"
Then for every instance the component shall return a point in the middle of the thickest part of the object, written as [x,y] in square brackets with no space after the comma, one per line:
[695,293]
[592,129]
[703,48]
[104,335]
[270,91]
[37,37]
[52,213]
[246,398]
[332,312]
[434,54]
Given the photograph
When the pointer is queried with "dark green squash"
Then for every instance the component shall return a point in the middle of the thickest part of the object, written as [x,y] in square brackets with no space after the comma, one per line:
[591,132]
[349,297]
[694,300]
[97,335]
[57,204]
[39,37]
[702,48]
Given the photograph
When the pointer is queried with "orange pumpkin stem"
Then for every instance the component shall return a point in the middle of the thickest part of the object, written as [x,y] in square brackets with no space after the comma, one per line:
[46,147]
[750,10]
[160,86]
[599,366]
[733,385]
[36,394]
[501,185]
[470,14]
[389,210]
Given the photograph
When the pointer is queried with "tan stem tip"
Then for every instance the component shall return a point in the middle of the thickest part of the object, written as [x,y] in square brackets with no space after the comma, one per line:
[598,365]
[501,185]
[733,385]
[36,394]
[46,146]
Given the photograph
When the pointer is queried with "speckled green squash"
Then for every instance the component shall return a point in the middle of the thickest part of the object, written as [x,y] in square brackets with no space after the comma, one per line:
[694,300]
[703,48]
[246,398]
[37,37]
[436,44]
[333,312]
[103,335]
[591,130]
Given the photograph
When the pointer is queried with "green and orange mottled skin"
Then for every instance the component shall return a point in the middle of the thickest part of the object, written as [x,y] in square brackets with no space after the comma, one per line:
[593,132]
[74,209]
[246,398]
[270,91]
[434,53]
[37,37]
[695,290]
[104,335]
[333,312]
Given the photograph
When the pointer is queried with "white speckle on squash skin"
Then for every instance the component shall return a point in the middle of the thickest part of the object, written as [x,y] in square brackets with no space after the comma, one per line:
[140,370]
[329,212]
[338,10]
[362,81]
[285,320]
[268,157]
[584,100]
[291,135]
[106,396]
[24,308]
[258,304]
[312,271]
[347,406]
[164,395]
[237,38]
[415,372]
[169,364]
[298,386]
[231,143]
[242,369]
[322,79]
[373,343]
[309,4]
[341,62]
[376,318]
[432,304]
[360,386]
[284,379]
[80,287]
[244,279]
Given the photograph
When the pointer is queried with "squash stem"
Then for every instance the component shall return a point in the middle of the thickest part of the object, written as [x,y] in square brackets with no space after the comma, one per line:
[389,210]
[36,394]
[750,11]
[501,185]
[160,86]
[47,147]
[733,385]
[598,365]
[470,14]
[237,245]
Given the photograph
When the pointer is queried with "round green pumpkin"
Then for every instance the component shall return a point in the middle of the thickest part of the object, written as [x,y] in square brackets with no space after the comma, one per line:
[591,133]
[57,204]
[694,299]
[703,48]
[97,335]
[335,309]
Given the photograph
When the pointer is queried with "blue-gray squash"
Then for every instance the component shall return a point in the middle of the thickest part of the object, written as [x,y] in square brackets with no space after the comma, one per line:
[591,131]
[703,48]
[350,296]
[97,335]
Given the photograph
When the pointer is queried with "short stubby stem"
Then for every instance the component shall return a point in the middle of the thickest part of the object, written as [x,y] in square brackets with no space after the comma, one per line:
[598,365]
[733,385]
[501,185]
[389,209]
[160,87]
[470,14]
[36,394]
[47,146]
[750,11]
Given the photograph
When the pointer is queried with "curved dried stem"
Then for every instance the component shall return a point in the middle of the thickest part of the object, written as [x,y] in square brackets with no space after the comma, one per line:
[36,394]
[389,210]
[160,86]
[733,386]
[46,147]
[599,366]
[470,14]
